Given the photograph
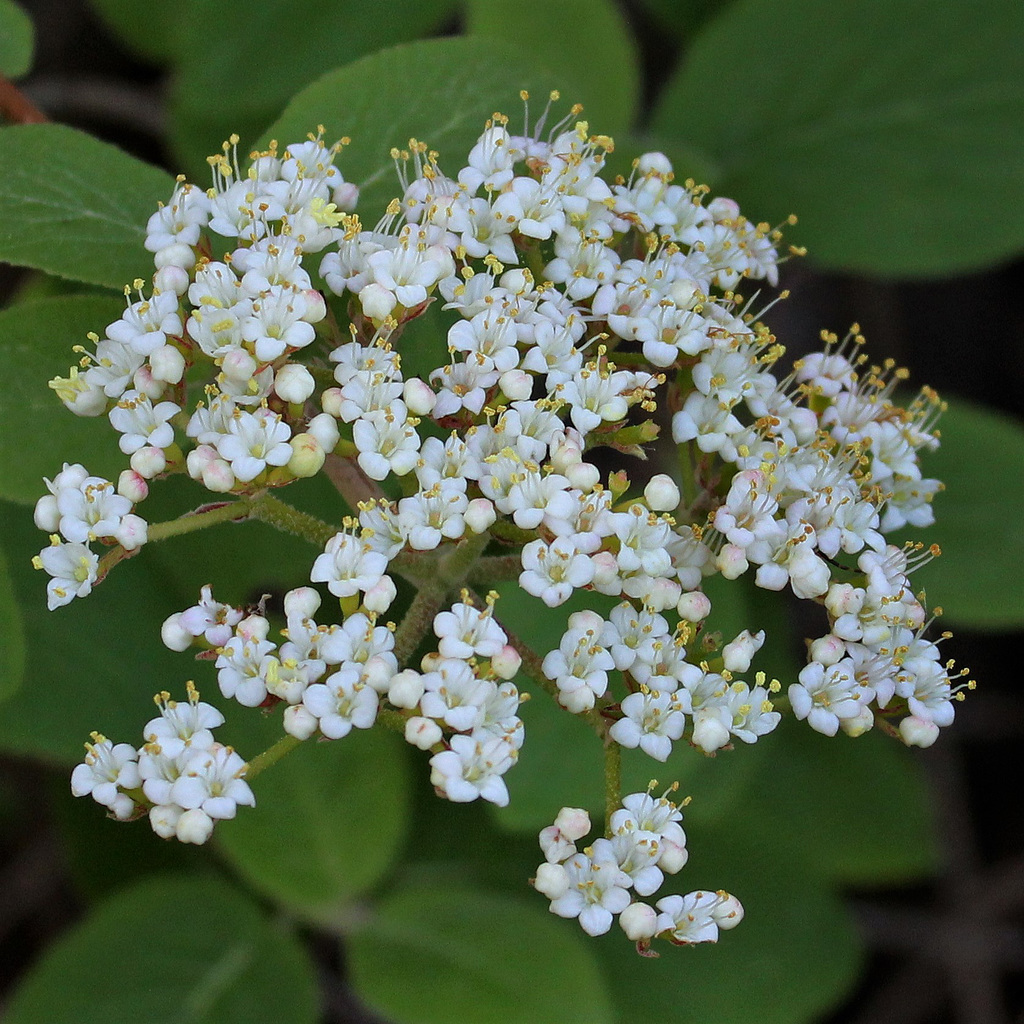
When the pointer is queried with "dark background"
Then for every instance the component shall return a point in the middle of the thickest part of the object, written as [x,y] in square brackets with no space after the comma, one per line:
[948,951]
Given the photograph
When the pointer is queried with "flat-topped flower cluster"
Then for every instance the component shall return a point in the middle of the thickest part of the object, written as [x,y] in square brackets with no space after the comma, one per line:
[586,318]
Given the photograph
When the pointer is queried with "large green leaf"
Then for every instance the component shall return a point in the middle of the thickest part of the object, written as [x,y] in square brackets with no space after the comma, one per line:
[36,339]
[977,519]
[74,206]
[431,954]
[439,90]
[275,49]
[17,40]
[171,950]
[894,130]
[794,955]
[150,28]
[12,635]
[329,821]
[604,73]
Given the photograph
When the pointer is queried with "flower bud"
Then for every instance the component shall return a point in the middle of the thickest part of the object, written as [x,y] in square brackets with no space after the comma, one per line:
[164,818]
[406,689]
[732,561]
[46,515]
[639,922]
[300,722]
[167,364]
[552,881]
[506,663]
[728,913]
[377,302]
[606,570]
[177,254]
[196,461]
[429,662]
[479,515]
[738,653]
[294,383]
[565,454]
[663,594]
[694,606]
[672,857]
[253,628]
[573,823]
[516,281]
[238,365]
[859,724]
[918,732]
[148,462]
[709,731]
[585,620]
[218,477]
[577,701]
[661,493]
[844,599]
[827,650]
[194,826]
[331,401]
[132,485]
[380,596]
[324,427]
[419,397]
[346,196]
[171,278]
[422,732]
[583,475]
[132,532]
[517,385]
[308,456]
[174,635]
[655,162]
[301,603]
[146,383]
[316,306]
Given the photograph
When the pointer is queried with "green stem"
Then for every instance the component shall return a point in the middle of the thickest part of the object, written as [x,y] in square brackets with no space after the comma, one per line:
[227,512]
[418,619]
[285,745]
[612,782]
[272,510]
[688,473]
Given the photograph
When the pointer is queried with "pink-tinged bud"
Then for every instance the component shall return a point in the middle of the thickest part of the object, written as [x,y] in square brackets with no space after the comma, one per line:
[46,515]
[406,689]
[673,856]
[722,208]
[663,594]
[694,606]
[419,397]
[238,365]
[218,477]
[132,532]
[174,635]
[171,279]
[827,650]
[506,663]
[656,163]
[479,515]
[844,599]
[299,722]
[178,254]
[324,427]
[145,382]
[573,823]
[133,486]
[331,401]
[728,913]
[316,307]
[377,302]
[253,628]
[301,603]
[294,383]
[196,461]
[732,561]
[380,596]
[585,620]
[148,462]
[606,569]
[583,475]
[859,724]
[565,454]
[308,456]
[167,364]
[738,653]
[661,493]
[422,732]
[918,732]
[552,881]
[346,196]
[194,826]
[516,385]
[639,922]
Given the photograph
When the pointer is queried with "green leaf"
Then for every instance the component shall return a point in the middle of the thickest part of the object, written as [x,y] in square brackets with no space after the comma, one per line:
[17,40]
[150,28]
[433,954]
[439,90]
[604,75]
[96,663]
[977,519]
[12,636]
[74,206]
[330,819]
[275,50]
[894,134]
[36,340]
[794,955]
[171,950]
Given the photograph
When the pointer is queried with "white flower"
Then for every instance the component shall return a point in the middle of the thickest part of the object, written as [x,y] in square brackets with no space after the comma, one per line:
[341,702]
[73,568]
[254,441]
[108,768]
[598,889]
[348,566]
[473,768]
[212,780]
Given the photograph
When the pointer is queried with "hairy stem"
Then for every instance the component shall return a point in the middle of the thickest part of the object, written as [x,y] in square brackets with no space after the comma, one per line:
[272,510]
[612,782]
[285,745]
[226,512]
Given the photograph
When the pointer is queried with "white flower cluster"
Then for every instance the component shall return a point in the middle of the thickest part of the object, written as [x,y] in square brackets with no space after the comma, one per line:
[583,317]
[646,843]
[186,779]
